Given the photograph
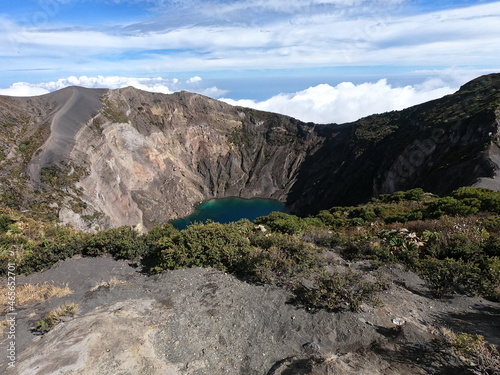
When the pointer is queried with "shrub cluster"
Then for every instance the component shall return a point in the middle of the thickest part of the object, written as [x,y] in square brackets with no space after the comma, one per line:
[453,242]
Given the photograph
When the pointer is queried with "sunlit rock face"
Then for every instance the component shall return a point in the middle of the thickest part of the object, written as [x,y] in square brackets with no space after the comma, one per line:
[128,157]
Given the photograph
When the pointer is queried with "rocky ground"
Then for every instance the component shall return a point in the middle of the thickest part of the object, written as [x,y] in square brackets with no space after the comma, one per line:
[202,321]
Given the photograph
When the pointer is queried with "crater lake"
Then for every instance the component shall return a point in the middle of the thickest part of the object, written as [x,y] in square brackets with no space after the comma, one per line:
[227,210]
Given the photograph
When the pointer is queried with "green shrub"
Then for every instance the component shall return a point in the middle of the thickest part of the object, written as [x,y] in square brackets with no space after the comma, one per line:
[122,243]
[5,222]
[339,291]
[476,352]
[279,258]
[225,247]
[282,223]
[331,218]
[484,199]
[443,277]
[451,207]
[363,213]
[312,222]
[361,248]
[322,237]
[416,194]
[491,246]
[412,215]
[46,253]
[160,231]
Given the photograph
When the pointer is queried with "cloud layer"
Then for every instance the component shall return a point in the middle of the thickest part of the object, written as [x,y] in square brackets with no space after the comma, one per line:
[158,84]
[320,104]
[346,101]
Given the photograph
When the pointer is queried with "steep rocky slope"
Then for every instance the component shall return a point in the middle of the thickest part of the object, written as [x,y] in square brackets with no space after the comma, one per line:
[128,157]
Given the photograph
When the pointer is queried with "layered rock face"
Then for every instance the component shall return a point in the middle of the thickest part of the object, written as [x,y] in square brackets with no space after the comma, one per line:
[153,157]
[129,157]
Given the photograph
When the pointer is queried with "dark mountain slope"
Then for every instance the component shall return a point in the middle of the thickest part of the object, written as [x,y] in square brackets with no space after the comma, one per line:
[439,146]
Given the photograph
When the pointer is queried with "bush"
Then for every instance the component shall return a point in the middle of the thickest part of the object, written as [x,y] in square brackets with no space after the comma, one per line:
[339,291]
[443,277]
[40,256]
[5,222]
[363,213]
[55,317]
[331,218]
[475,351]
[484,199]
[322,237]
[122,243]
[225,247]
[280,258]
[416,194]
[282,223]
[412,215]
[451,207]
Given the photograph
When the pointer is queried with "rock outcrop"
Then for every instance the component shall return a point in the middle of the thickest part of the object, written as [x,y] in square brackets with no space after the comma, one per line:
[129,157]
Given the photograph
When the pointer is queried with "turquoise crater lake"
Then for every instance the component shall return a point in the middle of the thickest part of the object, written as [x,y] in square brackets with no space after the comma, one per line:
[228,210]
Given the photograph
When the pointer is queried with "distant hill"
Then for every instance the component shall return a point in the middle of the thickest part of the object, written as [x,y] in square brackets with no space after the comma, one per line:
[96,157]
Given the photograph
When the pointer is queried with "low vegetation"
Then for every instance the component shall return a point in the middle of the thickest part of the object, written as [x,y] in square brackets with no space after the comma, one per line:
[55,317]
[474,351]
[452,242]
[31,293]
[26,294]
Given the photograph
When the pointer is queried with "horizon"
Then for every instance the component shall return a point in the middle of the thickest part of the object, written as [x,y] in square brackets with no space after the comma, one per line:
[322,60]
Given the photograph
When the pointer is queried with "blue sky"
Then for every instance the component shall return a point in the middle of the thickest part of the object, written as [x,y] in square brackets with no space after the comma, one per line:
[309,59]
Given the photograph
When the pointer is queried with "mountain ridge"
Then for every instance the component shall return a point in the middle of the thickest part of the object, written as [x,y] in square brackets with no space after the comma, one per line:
[99,157]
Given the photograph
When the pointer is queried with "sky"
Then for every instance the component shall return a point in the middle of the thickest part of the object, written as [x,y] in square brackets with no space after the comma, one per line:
[319,60]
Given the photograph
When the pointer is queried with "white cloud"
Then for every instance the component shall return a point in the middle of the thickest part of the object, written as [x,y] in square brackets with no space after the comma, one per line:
[466,36]
[158,84]
[213,92]
[23,89]
[346,101]
[194,79]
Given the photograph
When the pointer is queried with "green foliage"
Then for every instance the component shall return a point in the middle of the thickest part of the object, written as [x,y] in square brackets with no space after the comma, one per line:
[55,317]
[452,207]
[282,223]
[339,291]
[279,258]
[113,112]
[439,238]
[416,194]
[224,247]
[332,218]
[24,146]
[476,352]
[405,217]
[484,199]
[48,251]
[14,229]
[61,177]
[450,275]
[5,222]
[122,243]
[364,213]
[239,137]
